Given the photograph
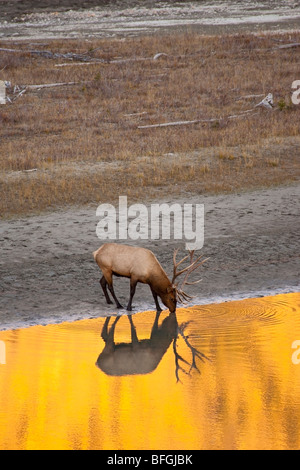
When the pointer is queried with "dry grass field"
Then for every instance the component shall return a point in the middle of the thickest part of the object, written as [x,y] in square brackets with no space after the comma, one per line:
[83,140]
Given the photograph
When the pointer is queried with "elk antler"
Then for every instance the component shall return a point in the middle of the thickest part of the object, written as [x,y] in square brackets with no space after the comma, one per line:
[194,264]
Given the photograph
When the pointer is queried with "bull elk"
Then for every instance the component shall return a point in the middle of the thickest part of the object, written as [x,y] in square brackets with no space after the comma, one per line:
[141,266]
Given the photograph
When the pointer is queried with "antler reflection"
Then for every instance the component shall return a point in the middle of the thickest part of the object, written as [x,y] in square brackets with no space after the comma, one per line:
[195,354]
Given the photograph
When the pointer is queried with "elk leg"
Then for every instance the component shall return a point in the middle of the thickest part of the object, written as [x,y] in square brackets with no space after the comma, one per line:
[108,277]
[133,284]
[103,284]
[158,307]
[111,290]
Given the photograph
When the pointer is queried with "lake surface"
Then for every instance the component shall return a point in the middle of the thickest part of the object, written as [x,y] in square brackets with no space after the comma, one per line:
[215,377]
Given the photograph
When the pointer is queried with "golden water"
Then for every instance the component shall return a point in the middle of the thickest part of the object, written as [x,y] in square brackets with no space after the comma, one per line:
[54,395]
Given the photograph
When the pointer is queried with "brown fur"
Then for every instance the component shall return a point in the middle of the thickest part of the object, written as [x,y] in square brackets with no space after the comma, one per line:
[139,265]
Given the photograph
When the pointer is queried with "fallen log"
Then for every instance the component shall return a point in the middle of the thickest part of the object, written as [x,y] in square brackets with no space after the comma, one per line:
[19,90]
[288,46]
[267,102]
[52,55]
[77,64]
[176,123]
[197,121]
[51,85]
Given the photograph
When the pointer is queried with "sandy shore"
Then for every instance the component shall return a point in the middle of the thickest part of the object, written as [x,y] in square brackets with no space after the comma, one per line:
[48,275]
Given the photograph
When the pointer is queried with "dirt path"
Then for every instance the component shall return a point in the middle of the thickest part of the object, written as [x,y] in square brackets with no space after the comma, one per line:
[47,273]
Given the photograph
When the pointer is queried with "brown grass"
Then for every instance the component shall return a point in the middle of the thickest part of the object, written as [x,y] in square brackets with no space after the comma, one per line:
[84,139]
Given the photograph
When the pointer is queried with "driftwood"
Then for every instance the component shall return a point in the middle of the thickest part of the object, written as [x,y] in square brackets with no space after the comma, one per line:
[198,121]
[114,61]
[3,49]
[77,64]
[50,85]
[267,102]
[288,46]
[137,59]
[176,123]
[97,61]
[52,55]
[19,90]
[15,92]
[85,57]
[249,97]
[135,114]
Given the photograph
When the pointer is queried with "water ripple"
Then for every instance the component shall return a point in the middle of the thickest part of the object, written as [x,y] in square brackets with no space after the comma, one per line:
[231,316]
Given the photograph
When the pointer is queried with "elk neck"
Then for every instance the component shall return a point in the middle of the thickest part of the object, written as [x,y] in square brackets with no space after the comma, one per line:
[159,281]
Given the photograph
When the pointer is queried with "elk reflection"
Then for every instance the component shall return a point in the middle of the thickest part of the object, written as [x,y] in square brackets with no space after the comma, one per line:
[143,356]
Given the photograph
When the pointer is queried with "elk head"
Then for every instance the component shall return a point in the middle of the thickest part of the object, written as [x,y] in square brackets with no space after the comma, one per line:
[194,264]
